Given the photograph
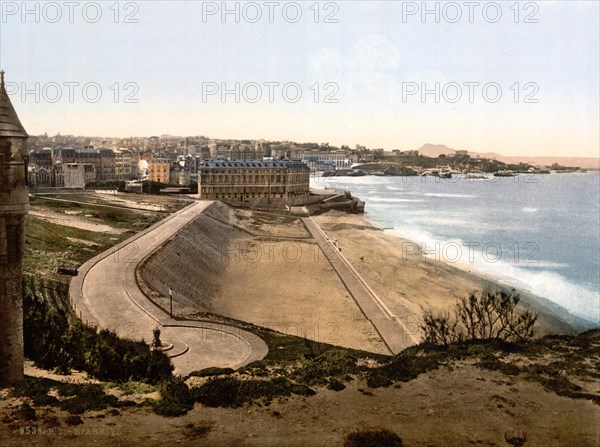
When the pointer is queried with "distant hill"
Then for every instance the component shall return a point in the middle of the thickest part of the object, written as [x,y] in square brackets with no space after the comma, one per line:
[435,150]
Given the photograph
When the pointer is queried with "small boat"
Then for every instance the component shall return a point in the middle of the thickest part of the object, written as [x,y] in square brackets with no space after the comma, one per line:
[504,173]
[356,173]
[475,176]
[437,173]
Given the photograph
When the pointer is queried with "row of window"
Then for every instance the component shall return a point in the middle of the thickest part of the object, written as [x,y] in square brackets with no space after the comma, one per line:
[236,196]
[253,190]
[252,171]
[241,179]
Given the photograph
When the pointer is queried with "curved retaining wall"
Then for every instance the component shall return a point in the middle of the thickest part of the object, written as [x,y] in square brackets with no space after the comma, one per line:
[192,262]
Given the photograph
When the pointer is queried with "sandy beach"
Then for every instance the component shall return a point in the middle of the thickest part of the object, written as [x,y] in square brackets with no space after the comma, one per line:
[408,280]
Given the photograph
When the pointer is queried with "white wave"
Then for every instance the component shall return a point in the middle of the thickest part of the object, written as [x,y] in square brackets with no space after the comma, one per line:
[529,210]
[390,200]
[545,265]
[575,299]
[435,194]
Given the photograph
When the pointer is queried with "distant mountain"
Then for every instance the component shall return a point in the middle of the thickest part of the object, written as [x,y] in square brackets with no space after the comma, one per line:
[435,150]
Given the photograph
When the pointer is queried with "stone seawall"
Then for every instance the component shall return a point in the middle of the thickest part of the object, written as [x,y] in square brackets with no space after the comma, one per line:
[192,262]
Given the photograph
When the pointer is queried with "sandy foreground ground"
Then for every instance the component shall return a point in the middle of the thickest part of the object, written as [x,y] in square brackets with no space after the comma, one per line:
[454,406]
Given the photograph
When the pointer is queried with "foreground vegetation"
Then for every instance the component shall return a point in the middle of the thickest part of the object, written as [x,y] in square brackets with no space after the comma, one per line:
[56,339]
[486,315]
[488,329]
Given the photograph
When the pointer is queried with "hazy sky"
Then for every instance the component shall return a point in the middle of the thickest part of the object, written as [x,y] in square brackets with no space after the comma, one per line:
[354,77]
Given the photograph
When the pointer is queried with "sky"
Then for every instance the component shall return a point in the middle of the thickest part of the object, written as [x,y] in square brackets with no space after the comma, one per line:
[517,78]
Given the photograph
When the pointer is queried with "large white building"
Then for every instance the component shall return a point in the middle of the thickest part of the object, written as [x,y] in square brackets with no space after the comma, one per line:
[324,160]
[285,181]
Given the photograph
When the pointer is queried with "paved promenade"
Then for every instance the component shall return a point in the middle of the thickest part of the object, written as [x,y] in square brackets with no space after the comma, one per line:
[389,327]
[105,294]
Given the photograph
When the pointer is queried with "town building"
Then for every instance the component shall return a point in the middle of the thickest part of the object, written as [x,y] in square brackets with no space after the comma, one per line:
[284,182]
[41,158]
[179,176]
[86,156]
[41,176]
[123,164]
[405,153]
[73,175]
[107,165]
[324,160]
[159,170]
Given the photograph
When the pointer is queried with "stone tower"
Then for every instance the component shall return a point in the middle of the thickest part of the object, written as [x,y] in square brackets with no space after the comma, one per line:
[14,204]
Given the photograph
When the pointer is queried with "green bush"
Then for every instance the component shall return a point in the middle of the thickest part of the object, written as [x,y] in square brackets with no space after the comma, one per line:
[481,316]
[373,438]
[336,385]
[406,366]
[232,392]
[175,398]
[74,398]
[493,363]
[55,338]
[331,365]
[26,412]
[73,419]
[378,381]
[213,371]
[88,397]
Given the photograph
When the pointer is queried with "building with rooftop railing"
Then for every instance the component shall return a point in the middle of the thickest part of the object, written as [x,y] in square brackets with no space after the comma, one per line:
[285,181]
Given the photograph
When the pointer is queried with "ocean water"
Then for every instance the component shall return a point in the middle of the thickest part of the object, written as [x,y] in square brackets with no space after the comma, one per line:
[539,233]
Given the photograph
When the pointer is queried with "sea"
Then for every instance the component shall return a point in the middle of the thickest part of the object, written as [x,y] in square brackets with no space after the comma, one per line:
[534,232]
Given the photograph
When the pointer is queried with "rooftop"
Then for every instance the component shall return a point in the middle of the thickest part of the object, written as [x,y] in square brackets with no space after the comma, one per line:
[10,125]
[269,164]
